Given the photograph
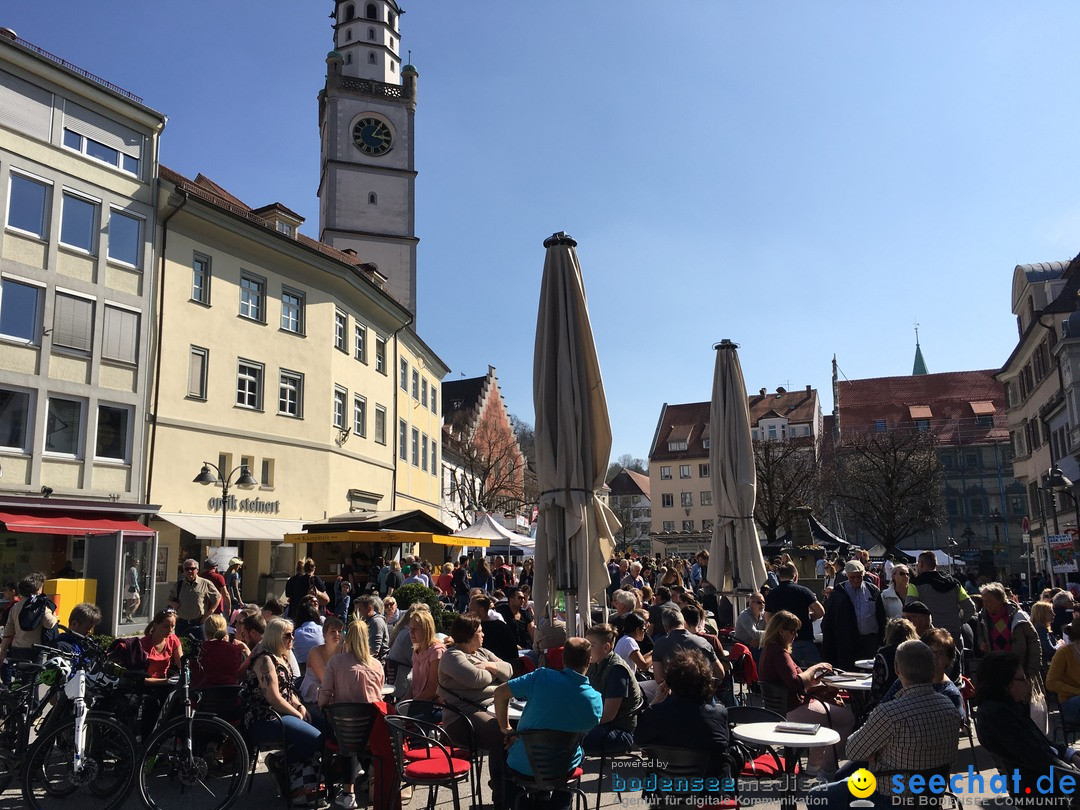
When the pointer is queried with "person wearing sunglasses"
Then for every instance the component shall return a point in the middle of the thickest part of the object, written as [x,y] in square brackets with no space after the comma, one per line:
[272,707]
[194,599]
[750,626]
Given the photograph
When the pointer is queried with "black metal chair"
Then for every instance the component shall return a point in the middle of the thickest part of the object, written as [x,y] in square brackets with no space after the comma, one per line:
[690,764]
[551,757]
[439,769]
[606,757]
[350,726]
[449,718]
[758,761]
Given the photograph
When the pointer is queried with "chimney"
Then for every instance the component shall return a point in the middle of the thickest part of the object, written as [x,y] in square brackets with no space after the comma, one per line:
[780,390]
[762,392]
[491,371]
[809,390]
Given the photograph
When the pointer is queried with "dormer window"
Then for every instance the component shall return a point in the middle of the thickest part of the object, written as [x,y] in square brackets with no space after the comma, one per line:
[879,426]
[285,228]
[676,445]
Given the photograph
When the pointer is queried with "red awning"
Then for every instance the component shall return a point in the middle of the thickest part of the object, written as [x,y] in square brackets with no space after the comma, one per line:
[65,524]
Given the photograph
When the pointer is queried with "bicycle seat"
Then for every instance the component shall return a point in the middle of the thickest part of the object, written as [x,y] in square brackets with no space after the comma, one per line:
[28,666]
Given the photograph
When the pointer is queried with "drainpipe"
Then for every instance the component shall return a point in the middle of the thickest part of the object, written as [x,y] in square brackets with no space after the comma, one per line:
[397,395]
[157,349]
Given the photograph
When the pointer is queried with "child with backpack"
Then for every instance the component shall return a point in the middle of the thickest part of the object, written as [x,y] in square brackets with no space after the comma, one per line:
[32,620]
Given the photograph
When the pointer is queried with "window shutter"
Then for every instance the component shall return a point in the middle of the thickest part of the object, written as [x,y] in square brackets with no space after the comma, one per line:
[101,129]
[25,107]
[121,338]
[73,320]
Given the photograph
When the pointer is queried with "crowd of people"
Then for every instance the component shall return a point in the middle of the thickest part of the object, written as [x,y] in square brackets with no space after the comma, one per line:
[659,671]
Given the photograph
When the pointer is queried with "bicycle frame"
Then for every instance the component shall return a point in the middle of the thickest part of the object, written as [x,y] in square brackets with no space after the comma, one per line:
[75,689]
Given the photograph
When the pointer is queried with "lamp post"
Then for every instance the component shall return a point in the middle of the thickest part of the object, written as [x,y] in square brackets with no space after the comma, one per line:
[245,481]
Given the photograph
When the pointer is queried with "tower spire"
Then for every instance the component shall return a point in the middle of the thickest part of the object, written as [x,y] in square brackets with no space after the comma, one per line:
[919,366]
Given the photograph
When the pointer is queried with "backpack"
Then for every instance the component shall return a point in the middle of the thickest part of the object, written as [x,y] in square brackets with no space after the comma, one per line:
[128,652]
[503,578]
[32,615]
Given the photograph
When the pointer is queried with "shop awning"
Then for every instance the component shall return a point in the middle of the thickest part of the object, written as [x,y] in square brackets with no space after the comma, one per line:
[66,524]
[385,537]
[208,527]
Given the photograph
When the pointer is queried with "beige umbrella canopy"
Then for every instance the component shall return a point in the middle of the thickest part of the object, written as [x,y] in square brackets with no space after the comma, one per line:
[735,561]
[573,442]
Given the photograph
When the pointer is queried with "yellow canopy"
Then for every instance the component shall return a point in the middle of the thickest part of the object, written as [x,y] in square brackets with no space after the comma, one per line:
[385,537]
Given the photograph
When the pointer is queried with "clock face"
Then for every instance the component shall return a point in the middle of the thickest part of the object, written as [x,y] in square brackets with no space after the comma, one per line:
[372,136]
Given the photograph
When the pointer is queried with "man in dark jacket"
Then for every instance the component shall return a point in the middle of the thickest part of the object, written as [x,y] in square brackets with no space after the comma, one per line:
[854,622]
[950,606]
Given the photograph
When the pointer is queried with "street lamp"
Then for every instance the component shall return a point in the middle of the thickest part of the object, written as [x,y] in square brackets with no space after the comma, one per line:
[245,481]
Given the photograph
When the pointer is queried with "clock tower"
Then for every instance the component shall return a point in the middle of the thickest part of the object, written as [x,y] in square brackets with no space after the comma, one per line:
[367,174]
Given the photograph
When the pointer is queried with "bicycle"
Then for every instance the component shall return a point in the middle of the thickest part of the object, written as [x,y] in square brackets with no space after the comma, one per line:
[196,760]
[89,759]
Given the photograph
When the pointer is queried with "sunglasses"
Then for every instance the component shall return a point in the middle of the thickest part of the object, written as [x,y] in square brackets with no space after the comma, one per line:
[191,569]
[287,635]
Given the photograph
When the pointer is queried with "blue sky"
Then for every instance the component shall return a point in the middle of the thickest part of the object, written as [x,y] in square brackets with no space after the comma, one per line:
[804,178]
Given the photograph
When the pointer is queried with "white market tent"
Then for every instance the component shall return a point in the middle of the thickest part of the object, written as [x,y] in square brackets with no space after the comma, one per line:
[943,559]
[502,540]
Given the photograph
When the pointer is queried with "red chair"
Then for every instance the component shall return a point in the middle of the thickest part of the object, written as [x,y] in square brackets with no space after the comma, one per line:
[439,769]
[553,658]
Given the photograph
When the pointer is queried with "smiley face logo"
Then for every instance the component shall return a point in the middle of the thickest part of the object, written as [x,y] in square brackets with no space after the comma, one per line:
[861,783]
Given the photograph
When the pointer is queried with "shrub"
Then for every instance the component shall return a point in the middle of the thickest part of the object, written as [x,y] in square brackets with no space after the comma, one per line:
[409,594]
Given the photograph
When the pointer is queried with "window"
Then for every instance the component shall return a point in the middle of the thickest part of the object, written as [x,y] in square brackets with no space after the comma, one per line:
[252,298]
[341,399]
[667,500]
[922,425]
[423,392]
[360,342]
[292,311]
[706,442]
[380,424]
[78,222]
[249,379]
[63,426]
[984,420]
[266,477]
[665,473]
[350,12]
[669,525]
[972,459]
[359,410]
[99,151]
[879,426]
[291,393]
[348,35]
[415,447]
[706,497]
[380,354]
[674,446]
[14,417]
[370,12]
[686,499]
[112,433]
[423,452]
[120,340]
[403,440]
[688,525]
[434,398]
[390,19]
[341,330]
[284,227]
[125,242]
[416,384]
[404,373]
[200,279]
[772,431]
[73,322]
[198,362]
[707,525]
[28,204]
[703,470]
[684,471]
[372,59]
[371,33]
[19,310]
[434,457]
[372,198]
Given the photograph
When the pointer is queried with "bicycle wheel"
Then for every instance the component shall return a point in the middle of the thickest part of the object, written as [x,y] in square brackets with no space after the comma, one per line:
[102,783]
[210,778]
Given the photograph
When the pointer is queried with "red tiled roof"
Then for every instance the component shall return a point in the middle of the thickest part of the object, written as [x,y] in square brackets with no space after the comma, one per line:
[629,482]
[954,399]
[798,406]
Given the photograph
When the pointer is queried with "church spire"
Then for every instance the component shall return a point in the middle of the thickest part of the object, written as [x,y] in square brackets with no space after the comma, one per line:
[920,364]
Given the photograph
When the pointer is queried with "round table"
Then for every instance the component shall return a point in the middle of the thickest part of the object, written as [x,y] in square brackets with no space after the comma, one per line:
[865,663]
[766,734]
[388,689]
[849,683]
[513,713]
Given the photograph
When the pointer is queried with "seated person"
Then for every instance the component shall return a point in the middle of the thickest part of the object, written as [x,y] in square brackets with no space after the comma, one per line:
[308,633]
[917,732]
[1005,728]
[628,647]
[940,641]
[84,618]
[809,700]
[558,700]
[220,657]
[750,626]
[897,631]
[610,675]
[678,637]
[1063,678]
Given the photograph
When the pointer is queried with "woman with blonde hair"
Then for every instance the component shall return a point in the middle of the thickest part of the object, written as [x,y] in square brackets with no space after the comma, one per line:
[352,675]
[808,699]
[1042,617]
[220,657]
[427,650]
[897,631]
[399,659]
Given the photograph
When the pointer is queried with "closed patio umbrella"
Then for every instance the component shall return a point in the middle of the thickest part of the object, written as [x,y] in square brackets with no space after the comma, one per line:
[573,442]
[735,561]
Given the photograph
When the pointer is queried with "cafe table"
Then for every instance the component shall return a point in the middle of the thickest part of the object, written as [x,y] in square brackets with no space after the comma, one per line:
[766,734]
[513,711]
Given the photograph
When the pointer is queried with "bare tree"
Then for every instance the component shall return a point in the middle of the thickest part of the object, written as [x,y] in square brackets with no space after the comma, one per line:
[526,437]
[788,476]
[890,483]
[626,462]
[491,474]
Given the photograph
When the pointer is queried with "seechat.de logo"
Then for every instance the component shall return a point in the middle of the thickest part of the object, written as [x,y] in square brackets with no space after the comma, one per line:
[861,783]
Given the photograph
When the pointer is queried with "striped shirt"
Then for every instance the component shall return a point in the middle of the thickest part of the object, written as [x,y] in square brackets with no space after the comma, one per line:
[917,731]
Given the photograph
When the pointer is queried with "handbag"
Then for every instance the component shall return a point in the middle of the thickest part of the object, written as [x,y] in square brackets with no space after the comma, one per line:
[1040,716]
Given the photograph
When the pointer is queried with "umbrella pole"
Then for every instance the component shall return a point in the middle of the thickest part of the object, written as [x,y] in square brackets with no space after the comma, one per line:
[571,615]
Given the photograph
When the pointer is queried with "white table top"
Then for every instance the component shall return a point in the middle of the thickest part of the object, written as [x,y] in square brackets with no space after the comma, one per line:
[851,683]
[513,712]
[388,689]
[865,663]
[766,734]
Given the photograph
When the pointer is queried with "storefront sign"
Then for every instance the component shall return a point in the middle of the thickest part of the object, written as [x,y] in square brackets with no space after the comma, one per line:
[250,505]
[1062,555]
